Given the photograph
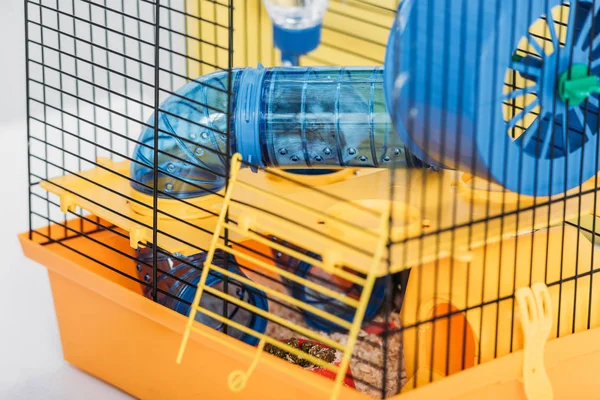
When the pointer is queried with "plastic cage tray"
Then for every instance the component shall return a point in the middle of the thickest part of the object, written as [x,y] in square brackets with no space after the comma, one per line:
[95,305]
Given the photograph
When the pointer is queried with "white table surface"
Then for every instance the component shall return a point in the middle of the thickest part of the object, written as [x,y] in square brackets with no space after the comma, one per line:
[31,361]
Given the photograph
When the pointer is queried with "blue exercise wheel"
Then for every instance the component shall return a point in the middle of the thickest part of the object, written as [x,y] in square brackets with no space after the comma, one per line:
[503,90]
[322,301]
[177,281]
[333,306]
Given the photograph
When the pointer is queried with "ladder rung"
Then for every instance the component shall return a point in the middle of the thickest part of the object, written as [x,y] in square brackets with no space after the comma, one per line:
[289,299]
[295,278]
[296,254]
[275,318]
[268,339]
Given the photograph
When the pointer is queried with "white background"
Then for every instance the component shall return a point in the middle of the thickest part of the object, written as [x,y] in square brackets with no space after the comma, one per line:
[31,363]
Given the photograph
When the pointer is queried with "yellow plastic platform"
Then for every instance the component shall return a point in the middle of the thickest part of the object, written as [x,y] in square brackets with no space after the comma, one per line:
[435,214]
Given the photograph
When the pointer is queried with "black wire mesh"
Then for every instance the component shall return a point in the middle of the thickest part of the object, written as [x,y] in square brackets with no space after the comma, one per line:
[98,72]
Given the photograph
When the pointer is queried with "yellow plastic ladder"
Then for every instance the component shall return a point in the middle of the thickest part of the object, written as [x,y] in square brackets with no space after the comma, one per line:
[248,226]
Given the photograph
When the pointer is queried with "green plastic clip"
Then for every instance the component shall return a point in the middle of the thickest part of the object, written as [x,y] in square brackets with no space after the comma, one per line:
[579,86]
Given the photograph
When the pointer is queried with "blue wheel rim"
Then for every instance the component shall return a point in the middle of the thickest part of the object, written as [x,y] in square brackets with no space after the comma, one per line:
[457,121]
[256,298]
[300,292]
[536,161]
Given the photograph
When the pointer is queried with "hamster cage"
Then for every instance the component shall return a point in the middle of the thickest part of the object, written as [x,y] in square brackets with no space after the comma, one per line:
[404,205]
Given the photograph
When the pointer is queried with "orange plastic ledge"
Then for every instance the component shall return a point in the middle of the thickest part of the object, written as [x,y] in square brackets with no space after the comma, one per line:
[111,331]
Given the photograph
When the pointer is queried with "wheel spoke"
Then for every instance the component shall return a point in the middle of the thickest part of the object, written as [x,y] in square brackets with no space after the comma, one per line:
[530,132]
[582,121]
[520,92]
[552,28]
[596,40]
[513,122]
[565,132]
[536,46]
[594,102]
[585,31]
[547,138]
[596,63]
[571,25]
[526,69]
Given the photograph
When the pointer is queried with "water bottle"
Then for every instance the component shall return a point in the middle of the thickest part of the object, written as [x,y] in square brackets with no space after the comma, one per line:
[296,26]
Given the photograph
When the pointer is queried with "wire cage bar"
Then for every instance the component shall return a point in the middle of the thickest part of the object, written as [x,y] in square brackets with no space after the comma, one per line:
[414,199]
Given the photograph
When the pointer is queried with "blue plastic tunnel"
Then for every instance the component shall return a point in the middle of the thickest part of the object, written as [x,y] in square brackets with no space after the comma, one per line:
[287,118]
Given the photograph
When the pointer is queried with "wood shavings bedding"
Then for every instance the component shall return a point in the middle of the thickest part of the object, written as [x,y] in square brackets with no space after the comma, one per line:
[367,361]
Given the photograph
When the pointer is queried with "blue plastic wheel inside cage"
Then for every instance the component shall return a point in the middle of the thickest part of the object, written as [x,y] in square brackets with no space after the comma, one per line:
[321,301]
[178,278]
[503,91]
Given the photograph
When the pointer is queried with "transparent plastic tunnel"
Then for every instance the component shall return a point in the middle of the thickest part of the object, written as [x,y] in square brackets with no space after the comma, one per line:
[284,117]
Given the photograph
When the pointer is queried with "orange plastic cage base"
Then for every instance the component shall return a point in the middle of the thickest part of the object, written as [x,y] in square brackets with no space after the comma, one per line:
[111,331]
